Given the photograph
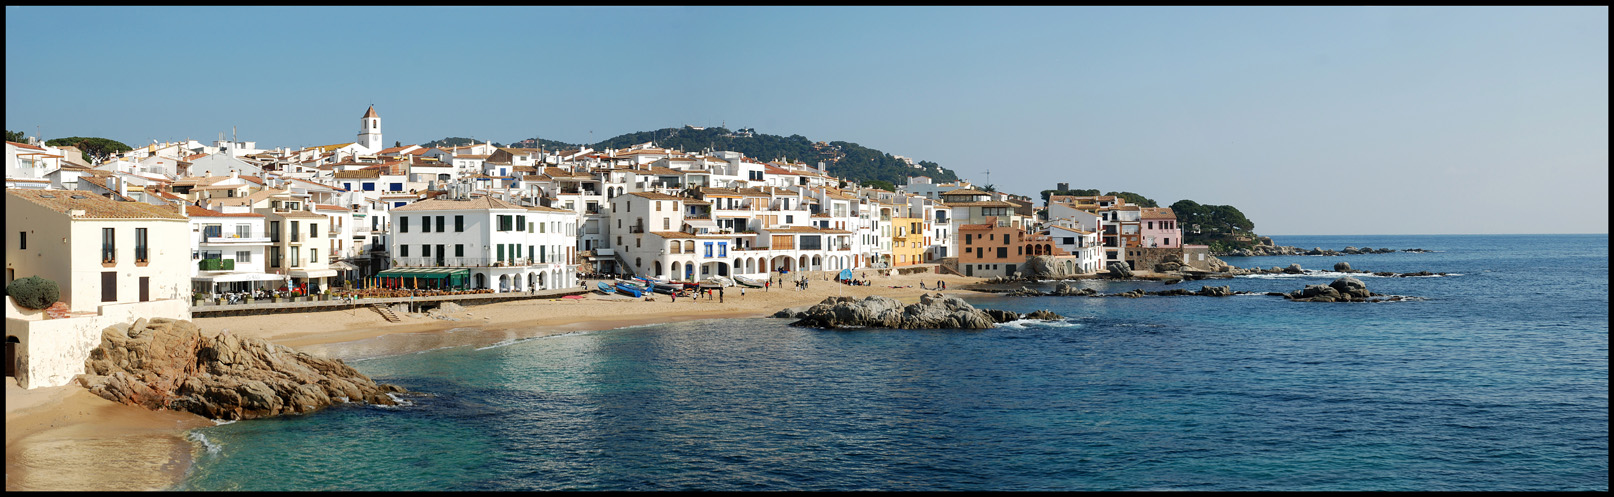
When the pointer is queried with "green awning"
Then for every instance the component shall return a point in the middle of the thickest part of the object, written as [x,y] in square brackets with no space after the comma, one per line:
[425,272]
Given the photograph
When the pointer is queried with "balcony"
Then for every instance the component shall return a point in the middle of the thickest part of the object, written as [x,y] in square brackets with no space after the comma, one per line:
[470,261]
[212,237]
[216,264]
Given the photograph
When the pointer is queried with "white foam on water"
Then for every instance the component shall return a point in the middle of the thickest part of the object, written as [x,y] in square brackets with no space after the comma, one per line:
[1021,324]
[207,445]
[222,422]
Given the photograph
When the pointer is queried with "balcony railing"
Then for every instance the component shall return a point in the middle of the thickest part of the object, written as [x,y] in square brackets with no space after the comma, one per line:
[216,264]
[109,254]
[140,254]
[236,237]
[469,261]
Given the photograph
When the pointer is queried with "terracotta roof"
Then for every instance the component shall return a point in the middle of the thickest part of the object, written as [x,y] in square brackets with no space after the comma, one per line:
[24,145]
[477,203]
[672,234]
[297,214]
[366,173]
[655,196]
[94,206]
[1157,213]
[319,207]
[194,211]
[966,191]
[983,203]
[370,113]
[541,208]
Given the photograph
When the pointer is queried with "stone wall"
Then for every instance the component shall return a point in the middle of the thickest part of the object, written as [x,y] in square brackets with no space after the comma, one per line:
[51,352]
[1145,258]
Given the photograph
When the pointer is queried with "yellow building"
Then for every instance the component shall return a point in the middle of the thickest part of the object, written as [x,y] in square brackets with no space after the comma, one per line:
[907,241]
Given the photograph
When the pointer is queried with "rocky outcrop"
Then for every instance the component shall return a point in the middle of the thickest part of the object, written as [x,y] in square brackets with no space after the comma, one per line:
[1119,270]
[1346,289]
[932,311]
[1294,269]
[169,364]
[1263,250]
[1043,267]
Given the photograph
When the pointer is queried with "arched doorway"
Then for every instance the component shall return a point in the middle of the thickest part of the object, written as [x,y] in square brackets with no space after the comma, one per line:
[533,281]
[657,267]
[675,267]
[481,281]
[504,283]
[543,282]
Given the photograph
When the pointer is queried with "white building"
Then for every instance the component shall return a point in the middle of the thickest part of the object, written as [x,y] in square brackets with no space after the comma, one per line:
[229,252]
[498,245]
[113,262]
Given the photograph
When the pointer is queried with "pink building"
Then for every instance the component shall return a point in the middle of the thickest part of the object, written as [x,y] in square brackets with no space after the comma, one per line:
[1158,228]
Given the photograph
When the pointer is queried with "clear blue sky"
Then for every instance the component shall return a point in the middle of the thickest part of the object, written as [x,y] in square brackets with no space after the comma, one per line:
[1338,120]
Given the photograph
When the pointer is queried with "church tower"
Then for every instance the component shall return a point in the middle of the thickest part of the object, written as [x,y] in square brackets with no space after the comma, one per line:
[370,131]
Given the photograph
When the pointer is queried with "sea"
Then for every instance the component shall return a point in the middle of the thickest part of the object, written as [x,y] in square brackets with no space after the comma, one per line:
[1495,377]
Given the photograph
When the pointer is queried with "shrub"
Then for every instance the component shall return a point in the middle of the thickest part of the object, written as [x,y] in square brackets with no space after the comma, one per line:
[33,292]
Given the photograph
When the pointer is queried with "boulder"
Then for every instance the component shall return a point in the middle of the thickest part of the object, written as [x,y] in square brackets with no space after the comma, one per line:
[1294,269]
[1168,266]
[1044,267]
[1343,267]
[169,364]
[932,311]
[1045,315]
[1216,291]
[1119,270]
[999,316]
[1346,289]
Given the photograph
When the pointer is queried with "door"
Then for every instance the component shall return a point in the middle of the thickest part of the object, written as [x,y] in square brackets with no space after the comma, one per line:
[969,270]
[145,289]
[11,356]
[440,254]
[109,286]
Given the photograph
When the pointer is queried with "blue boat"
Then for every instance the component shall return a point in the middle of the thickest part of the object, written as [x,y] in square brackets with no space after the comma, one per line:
[630,288]
[607,288]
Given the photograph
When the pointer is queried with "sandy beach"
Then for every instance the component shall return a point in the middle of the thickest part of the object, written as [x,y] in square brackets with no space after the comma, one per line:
[65,438]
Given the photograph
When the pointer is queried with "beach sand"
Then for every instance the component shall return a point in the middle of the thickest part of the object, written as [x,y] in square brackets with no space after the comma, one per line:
[65,438]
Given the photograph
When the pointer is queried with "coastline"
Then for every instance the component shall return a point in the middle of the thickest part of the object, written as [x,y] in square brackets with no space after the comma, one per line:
[65,438]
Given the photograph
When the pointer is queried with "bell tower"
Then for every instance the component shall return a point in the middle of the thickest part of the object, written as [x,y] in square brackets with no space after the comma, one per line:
[370,131]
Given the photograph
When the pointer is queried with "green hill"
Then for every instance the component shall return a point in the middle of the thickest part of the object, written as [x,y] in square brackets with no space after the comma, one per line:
[841,159]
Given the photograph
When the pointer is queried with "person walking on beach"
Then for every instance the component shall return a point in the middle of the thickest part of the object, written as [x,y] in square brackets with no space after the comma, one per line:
[719,295]
[767,284]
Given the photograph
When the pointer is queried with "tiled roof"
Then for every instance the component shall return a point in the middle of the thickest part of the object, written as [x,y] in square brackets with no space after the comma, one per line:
[370,113]
[366,173]
[672,234]
[1157,213]
[94,206]
[541,208]
[438,204]
[655,196]
[966,191]
[194,211]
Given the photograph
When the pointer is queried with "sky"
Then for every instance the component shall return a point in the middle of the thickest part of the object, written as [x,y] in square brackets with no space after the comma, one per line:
[1310,120]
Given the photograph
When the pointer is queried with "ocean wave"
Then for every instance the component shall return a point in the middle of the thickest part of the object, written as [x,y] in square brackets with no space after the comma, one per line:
[222,422]
[1311,273]
[1021,324]
[207,445]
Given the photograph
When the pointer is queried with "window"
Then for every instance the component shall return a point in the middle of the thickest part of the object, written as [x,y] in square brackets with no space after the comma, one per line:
[459,250]
[425,250]
[967,237]
[109,247]
[140,245]
[504,223]
[459,224]
[347,186]
[397,187]
[425,224]
[517,248]
[22,240]
[295,261]
[243,256]
[313,230]
[109,286]
[369,187]
[543,254]
[296,235]
[403,250]
[501,252]
[274,256]
[789,218]
[666,223]
[521,222]
[313,256]
[658,206]
[403,224]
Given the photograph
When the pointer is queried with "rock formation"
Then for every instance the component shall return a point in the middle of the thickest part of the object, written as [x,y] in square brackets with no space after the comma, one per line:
[932,311]
[1043,267]
[1119,270]
[168,364]
[1346,289]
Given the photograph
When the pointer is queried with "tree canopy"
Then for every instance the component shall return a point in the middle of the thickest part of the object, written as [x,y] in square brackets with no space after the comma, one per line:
[841,159]
[93,149]
[1131,198]
[14,136]
[881,184]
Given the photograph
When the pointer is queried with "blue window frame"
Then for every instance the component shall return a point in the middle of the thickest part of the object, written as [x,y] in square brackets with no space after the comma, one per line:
[722,249]
[369,187]
[708,249]
[397,187]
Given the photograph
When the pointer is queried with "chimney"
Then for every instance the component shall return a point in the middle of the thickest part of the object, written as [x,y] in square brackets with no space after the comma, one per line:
[182,212]
[235,174]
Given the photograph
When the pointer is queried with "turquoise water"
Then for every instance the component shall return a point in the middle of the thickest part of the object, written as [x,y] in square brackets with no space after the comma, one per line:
[1499,381]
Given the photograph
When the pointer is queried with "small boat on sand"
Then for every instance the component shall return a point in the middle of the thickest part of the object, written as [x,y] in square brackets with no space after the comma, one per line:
[607,288]
[747,281]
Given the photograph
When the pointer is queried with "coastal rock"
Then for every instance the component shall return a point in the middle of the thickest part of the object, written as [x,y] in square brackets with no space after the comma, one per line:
[1216,291]
[1119,270]
[1343,267]
[999,316]
[1294,269]
[1045,315]
[168,364]
[1024,292]
[1067,289]
[1043,267]
[1168,266]
[932,311]
[1346,289]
